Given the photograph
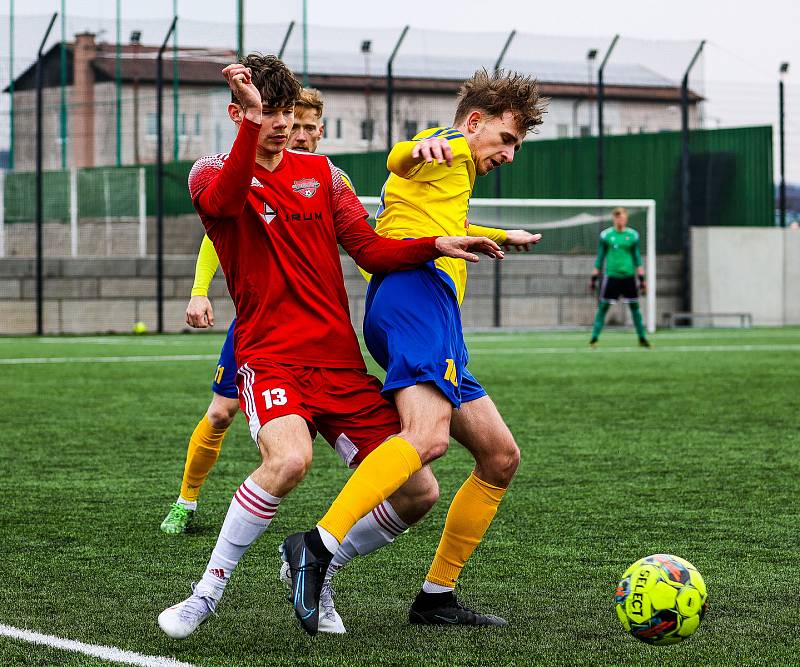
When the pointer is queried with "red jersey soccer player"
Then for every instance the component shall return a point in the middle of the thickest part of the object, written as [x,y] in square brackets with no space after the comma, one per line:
[275,219]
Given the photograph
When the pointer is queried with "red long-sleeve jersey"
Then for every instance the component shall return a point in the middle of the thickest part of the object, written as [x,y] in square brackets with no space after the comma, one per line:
[277,234]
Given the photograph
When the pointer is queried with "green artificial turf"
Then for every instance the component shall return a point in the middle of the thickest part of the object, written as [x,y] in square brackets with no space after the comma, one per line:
[690,448]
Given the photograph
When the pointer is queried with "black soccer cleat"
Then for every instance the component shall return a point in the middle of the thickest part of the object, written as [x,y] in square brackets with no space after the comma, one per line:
[308,561]
[643,342]
[593,343]
[445,609]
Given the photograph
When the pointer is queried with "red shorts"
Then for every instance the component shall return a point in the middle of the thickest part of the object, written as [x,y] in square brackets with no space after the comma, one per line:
[344,405]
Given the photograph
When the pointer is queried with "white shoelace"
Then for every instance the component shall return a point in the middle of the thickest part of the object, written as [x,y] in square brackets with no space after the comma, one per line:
[197,606]
[326,601]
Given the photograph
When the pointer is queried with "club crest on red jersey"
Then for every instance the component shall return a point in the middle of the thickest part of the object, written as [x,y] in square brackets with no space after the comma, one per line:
[306,187]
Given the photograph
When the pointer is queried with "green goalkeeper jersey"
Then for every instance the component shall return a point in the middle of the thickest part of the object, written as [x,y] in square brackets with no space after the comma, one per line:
[620,252]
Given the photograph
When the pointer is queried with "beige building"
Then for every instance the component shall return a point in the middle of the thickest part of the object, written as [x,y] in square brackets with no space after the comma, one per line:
[637,100]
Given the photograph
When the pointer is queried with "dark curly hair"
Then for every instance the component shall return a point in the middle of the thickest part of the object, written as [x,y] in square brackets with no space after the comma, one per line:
[274,80]
[503,91]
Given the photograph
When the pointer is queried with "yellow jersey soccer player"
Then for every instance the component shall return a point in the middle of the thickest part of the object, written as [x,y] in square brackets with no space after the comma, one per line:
[412,323]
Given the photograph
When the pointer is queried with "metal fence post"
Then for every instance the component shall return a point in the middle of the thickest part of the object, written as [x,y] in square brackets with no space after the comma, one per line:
[39,174]
[498,189]
[784,68]
[685,178]
[390,90]
[600,130]
[160,180]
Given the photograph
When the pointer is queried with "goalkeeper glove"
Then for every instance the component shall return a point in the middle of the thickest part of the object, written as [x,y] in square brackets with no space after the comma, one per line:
[642,284]
[593,282]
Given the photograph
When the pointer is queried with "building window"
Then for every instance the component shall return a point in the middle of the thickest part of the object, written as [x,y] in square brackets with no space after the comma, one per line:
[150,125]
[367,129]
[585,131]
[197,125]
[563,130]
[338,131]
[433,123]
[410,129]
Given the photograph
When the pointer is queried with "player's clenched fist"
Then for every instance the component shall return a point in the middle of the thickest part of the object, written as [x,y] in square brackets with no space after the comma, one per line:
[240,80]
[459,247]
[199,313]
[435,148]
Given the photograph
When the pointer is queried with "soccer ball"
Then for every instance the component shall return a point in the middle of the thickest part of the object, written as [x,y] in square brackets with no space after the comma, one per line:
[661,599]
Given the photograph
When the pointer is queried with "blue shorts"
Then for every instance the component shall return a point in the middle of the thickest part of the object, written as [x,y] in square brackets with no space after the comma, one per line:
[224,382]
[412,328]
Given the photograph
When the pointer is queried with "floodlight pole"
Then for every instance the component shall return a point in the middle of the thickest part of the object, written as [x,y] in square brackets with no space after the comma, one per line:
[390,89]
[498,189]
[600,102]
[240,29]
[11,83]
[784,68]
[286,39]
[176,132]
[39,204]
[305,43]
[118,82]
[685,178]
[160,180]
[62,67]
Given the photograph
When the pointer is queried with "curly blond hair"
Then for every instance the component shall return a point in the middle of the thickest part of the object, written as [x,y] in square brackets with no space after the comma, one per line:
[503,91]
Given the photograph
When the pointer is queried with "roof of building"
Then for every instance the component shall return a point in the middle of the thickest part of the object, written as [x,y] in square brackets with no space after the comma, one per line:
[344,71]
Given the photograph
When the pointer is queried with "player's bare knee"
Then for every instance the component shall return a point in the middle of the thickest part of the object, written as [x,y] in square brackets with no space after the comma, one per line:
[220,417]
[222,411]
[293,467]
[501,462]
[429,446]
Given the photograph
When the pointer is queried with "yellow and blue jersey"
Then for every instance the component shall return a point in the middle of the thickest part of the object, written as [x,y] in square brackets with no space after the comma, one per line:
[430,200]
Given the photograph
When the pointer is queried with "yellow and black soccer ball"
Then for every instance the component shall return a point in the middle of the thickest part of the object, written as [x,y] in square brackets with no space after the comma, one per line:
[661,599]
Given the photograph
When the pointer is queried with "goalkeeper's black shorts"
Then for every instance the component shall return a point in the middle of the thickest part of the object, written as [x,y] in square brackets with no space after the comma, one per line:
[615,289]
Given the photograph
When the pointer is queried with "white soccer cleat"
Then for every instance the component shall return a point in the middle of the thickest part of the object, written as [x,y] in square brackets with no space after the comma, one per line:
[285,575]
[329,619]
[182,619]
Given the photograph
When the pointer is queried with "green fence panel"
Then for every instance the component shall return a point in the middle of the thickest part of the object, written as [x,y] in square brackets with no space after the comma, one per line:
[731,170]
[731,179]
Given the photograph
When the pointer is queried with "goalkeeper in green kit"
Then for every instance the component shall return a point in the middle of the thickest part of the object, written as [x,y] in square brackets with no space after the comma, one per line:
[619,249]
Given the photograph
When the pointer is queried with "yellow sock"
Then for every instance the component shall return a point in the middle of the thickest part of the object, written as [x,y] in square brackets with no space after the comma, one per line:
[468,518]
[380,474]
[204,447]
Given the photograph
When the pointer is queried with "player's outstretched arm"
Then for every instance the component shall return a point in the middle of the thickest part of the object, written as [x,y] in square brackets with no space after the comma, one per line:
[220,191]
[466,247]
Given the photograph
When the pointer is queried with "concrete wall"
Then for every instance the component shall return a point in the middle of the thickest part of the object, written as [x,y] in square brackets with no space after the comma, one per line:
[752,270]
[87,295]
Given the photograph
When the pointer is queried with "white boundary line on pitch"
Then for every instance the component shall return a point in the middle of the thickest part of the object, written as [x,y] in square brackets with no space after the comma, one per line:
[98,651]
[788,347]
[108,360]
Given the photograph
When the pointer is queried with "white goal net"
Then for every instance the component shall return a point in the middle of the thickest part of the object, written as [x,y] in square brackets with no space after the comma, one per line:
[548,287]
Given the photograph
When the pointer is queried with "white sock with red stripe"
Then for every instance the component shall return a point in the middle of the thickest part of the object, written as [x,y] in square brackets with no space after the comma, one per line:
[371,532]
[250,513]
